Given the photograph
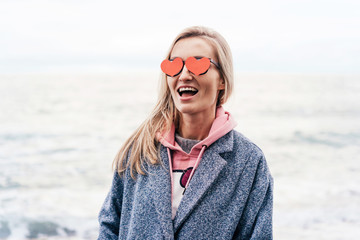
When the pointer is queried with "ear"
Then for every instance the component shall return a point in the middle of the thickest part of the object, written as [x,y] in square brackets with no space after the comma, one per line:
[221,84]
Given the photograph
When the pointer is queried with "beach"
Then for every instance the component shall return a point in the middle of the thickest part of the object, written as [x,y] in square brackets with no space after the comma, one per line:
[60,132]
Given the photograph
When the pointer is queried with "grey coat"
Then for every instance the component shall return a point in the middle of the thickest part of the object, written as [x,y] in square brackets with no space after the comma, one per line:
[229,197]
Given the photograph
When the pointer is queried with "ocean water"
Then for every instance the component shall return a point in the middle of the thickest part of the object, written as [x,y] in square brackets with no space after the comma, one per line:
[60,133]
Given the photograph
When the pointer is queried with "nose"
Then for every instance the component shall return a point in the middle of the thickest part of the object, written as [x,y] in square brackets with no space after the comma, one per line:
[185,75]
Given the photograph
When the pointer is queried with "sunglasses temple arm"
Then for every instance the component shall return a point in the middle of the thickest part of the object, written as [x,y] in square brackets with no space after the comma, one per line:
[215,63]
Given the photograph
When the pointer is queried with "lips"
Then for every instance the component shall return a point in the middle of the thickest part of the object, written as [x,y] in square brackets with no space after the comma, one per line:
[187,91]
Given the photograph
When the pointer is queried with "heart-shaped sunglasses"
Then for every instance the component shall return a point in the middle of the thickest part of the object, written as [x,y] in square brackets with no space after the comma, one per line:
[196,65]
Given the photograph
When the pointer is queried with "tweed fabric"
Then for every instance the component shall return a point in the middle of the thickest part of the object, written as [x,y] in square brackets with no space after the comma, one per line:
[229,197]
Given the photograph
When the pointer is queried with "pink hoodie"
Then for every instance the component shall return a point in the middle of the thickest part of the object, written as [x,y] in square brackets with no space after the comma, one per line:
[178,159]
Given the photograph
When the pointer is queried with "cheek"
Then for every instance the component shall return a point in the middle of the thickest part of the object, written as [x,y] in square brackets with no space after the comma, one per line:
[171,84]
[214,85]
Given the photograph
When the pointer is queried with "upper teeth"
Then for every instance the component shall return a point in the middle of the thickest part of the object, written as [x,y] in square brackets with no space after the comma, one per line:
[182,89]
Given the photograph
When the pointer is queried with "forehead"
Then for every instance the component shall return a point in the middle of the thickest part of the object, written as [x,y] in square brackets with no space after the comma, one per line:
[193,46]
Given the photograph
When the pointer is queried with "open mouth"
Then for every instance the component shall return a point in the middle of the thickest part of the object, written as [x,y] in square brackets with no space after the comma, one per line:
[187,91]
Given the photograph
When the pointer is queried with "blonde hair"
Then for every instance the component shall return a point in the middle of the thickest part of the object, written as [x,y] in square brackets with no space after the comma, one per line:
[142,146]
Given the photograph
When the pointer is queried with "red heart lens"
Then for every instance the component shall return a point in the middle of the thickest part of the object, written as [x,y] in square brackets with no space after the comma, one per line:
[172,68]
[197,66]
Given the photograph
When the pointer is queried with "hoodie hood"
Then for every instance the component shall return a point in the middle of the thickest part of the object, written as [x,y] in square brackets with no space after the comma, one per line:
[222,124]
[178,159]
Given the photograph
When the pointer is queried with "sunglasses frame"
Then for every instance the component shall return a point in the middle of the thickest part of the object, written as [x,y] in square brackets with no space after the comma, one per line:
[184,64]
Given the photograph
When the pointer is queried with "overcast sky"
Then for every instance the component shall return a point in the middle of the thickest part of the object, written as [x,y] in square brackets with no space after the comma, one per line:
[292,36]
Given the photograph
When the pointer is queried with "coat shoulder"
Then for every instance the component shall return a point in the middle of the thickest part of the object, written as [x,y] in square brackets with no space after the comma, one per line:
[245,146]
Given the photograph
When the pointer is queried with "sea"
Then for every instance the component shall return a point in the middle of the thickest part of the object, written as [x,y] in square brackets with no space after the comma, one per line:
[59,134]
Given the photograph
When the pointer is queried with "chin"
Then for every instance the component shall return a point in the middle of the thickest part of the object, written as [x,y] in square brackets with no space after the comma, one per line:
[192,110]
[186,110]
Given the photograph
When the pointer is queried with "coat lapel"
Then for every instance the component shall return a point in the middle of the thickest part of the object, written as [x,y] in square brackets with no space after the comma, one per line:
[160,184]
[205,175]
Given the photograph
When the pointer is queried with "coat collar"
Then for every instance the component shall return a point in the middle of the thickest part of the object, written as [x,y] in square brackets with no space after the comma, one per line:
[201,181]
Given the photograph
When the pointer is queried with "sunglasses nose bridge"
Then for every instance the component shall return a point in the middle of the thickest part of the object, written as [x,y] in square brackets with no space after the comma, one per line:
[185,74]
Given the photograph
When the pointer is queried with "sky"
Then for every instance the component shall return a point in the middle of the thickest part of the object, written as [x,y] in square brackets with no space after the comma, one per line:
[280,36]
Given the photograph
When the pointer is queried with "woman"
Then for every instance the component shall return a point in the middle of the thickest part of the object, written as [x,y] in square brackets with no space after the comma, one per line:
[185,173]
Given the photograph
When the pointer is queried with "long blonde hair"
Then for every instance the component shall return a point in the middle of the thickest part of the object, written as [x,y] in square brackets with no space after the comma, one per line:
[142,146]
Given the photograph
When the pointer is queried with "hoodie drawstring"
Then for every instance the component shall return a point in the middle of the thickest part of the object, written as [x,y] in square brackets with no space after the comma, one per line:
[195,166]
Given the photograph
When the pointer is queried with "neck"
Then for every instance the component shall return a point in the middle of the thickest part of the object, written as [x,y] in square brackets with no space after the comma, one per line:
[196,126]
